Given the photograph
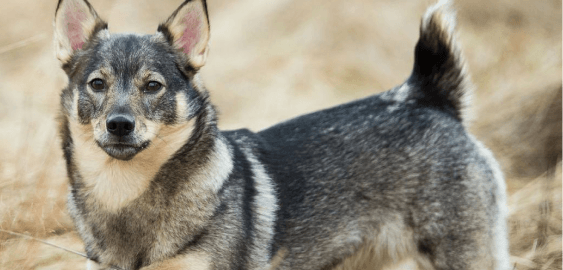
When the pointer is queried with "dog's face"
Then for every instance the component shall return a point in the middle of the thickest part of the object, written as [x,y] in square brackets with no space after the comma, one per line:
[126,90]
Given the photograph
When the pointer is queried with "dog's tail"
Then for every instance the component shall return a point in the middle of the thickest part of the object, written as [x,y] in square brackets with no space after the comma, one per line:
[439,78]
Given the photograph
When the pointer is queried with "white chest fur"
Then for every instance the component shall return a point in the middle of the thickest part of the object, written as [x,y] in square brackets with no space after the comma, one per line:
[114,183]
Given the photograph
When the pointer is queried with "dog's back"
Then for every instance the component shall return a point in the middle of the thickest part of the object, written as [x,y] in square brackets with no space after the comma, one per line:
[410,181]
[397,171]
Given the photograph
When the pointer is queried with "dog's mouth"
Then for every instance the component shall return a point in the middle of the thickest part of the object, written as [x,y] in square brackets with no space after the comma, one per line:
[123,151]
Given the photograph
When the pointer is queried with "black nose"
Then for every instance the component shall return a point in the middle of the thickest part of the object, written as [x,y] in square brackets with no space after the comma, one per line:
[120,125]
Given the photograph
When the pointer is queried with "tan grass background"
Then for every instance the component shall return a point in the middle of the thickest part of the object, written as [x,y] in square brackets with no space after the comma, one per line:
[272,60]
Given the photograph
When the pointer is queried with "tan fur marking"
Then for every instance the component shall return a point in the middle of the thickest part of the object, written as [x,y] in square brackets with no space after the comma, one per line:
[102,73]
[104,34]
[217,169]
[395,240]
[92,265]
[198,83]
[190,261]
[278,258]
[391,243]
[158,37]
[181,106]
[193,260]
[145,75]
[114,183]
[74,112]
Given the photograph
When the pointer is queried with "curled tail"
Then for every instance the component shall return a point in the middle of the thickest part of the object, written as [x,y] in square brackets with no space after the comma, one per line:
[439,78]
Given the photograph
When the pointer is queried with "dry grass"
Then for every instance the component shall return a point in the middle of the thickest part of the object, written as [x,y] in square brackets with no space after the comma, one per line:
[535,223]
[271,60]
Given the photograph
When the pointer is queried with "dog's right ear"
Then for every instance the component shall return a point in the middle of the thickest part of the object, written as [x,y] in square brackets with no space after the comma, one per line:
[76,22]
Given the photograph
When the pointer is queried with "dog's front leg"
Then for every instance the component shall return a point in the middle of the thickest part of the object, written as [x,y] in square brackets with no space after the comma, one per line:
[92,265]
[190,261]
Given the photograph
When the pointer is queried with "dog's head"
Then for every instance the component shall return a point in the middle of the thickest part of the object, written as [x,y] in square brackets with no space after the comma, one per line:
[127,90]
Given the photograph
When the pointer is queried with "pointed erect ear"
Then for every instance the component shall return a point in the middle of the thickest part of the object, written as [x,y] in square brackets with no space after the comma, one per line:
[188,30]
[76,22]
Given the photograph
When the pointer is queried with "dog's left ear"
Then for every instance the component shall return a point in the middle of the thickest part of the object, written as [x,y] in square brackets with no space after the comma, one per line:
[187,29]
[76,22]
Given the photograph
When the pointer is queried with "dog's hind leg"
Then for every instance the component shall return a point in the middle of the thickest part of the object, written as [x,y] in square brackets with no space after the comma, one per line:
[457,252]
[387,242]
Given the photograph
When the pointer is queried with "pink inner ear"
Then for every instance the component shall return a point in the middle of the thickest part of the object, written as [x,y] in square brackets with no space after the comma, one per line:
[74,17]
[192,31]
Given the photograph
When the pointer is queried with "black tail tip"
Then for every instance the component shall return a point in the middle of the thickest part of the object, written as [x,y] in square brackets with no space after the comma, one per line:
[439,73]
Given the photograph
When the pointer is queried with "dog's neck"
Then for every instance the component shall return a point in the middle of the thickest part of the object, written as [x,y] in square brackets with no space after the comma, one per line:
[112,184]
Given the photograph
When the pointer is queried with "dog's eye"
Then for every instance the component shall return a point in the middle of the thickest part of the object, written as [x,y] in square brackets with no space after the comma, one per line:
[153,86]
[98,84]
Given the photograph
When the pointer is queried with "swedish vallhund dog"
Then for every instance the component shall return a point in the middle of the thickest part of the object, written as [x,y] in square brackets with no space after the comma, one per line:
[154,184]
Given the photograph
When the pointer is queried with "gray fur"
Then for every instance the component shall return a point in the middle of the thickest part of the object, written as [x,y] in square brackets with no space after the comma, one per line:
[396,172]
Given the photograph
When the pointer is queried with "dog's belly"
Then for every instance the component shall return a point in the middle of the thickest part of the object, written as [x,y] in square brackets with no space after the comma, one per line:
[374,240]
[192,261]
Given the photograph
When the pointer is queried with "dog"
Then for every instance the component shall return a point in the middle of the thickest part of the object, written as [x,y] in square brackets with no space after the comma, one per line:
[154,184]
